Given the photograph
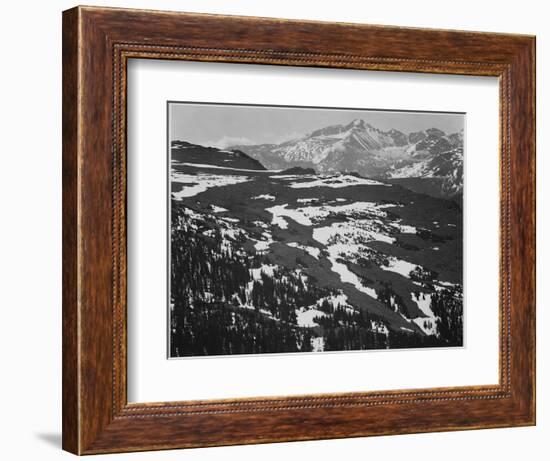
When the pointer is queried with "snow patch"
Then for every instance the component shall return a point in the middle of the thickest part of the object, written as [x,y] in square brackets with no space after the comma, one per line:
[264,197]
[310,214]
[279,221]
[279,211]
[315,252]
[339,299]
[292,176]
[404,229]
[260,245]
[305,317]
[415,170]
[379,327]
[195,184]
[218,209]
[337,182]
[317,344]
[399,266]
[266,269]
[216,167]
[346,276]
[427,324]
[351,231]
[263,245]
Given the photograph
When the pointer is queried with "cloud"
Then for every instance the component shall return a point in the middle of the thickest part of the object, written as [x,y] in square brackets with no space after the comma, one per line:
[227,141]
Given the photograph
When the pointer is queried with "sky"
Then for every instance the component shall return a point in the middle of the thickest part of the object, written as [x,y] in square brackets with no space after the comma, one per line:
[222,126]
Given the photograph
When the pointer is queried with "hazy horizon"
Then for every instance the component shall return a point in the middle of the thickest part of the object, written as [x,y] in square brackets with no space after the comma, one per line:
[223,125]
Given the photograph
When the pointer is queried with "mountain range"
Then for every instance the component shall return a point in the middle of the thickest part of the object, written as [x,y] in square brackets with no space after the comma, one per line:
[428,161]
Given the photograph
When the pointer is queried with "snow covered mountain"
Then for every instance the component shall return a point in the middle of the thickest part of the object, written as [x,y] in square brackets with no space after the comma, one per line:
[432,157]
[435,167]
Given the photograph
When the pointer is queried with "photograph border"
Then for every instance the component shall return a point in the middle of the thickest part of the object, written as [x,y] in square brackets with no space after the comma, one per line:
[289,106]
[97,43]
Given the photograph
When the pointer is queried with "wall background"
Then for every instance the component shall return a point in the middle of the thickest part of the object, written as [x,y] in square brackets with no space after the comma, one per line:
[30,231]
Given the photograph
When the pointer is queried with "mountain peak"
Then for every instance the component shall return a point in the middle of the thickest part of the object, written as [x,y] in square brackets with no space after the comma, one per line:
[436,132]
[355,125]
[358,123]
[326,131]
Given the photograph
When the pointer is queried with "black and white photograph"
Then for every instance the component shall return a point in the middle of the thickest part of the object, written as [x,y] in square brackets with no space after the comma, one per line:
[313,229]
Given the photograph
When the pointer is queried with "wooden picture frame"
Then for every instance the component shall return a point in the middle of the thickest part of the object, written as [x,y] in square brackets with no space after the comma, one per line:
[97,43]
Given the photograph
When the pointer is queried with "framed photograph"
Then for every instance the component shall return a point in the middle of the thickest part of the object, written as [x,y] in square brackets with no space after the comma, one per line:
[281,230]
[336,240]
